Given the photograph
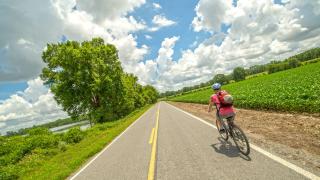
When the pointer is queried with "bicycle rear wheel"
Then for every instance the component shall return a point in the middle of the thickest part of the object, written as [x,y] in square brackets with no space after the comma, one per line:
[223,134]
[241,140]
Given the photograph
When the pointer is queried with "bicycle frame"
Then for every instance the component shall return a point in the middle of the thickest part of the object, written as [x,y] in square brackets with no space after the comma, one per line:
[222,122]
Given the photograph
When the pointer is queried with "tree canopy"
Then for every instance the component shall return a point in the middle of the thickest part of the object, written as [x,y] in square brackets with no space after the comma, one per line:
[220,78]
[87,78]
[239,74]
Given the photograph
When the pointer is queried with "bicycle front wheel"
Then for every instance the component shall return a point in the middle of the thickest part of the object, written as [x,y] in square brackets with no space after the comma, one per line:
[241,140]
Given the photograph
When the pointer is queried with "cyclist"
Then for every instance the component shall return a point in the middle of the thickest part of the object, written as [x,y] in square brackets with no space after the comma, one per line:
[226,112]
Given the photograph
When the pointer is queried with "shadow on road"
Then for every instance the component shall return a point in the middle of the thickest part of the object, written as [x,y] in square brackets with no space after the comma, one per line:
[226,148]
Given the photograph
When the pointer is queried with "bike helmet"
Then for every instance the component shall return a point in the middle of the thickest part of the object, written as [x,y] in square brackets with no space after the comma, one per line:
[216,86]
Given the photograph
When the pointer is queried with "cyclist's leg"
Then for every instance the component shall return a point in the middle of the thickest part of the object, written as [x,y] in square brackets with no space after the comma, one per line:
[230,119]
[221,128]
[217,119]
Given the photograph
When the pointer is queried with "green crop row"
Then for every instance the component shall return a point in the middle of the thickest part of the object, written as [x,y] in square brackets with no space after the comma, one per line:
[295,90]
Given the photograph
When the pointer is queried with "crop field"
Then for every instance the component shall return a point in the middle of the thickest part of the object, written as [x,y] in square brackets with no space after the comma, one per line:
[294,90]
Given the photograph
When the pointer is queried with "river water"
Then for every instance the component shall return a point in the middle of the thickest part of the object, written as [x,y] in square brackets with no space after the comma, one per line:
[83,125]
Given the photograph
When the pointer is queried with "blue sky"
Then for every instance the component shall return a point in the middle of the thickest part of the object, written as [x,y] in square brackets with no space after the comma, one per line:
[9,88]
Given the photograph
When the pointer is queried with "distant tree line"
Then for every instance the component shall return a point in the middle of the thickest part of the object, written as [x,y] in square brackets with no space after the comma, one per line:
[240,73]
[87,79]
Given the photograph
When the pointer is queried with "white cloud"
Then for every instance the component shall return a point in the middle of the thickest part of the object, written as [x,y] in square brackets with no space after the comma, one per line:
[148,36]
[156,6]
[166,50]
[102,9]
[28,27]
[153,29]
[151,71]
[160,21]
[34,90]
[25,29]
[210,14]
[128,53]
[35,105]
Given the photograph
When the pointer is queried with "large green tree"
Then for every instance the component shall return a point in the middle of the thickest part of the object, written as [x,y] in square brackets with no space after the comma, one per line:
[85,78]
[133,92]
[150,94]
[220,78]
[239,74]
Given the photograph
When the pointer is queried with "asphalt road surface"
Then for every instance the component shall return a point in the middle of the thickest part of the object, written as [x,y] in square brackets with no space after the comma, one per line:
[180,147]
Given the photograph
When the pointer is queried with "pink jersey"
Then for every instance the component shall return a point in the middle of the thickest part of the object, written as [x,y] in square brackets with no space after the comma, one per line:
[224,111]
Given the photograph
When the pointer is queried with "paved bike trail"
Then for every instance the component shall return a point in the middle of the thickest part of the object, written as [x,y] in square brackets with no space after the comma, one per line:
[186,149]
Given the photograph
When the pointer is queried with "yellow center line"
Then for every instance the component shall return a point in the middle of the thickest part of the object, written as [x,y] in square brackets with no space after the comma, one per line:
[152,164]
[151,136]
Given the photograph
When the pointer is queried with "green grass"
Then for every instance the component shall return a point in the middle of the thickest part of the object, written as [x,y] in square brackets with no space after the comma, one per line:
[311,61]
[55,163]
[256,75]
[294,90]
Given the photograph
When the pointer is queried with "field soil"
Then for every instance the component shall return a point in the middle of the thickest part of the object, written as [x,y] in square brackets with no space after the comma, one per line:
[293,137]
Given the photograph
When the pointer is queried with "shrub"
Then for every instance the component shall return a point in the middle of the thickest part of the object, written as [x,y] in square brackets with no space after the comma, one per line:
[74,135]
[38,131]
[42,141]
[62,146]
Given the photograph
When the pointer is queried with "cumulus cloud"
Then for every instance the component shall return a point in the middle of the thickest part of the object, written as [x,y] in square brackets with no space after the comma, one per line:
[165,52]
[148,36]
[211,14]
[28,27]
[151,71]
[35,105]
[24,33]
[160,21]
[102,9]
[156,6]
[116,30]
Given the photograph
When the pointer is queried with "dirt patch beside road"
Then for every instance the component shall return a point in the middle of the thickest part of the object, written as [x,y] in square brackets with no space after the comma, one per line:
[291,136]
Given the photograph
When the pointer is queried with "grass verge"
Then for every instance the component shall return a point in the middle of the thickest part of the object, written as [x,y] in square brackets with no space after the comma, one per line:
[61,165]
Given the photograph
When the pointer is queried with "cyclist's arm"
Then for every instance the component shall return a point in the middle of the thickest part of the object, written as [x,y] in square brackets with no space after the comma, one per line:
[210,106]
[211,103]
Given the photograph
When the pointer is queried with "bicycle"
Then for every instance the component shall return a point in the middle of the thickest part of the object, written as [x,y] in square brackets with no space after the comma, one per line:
[238,136]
